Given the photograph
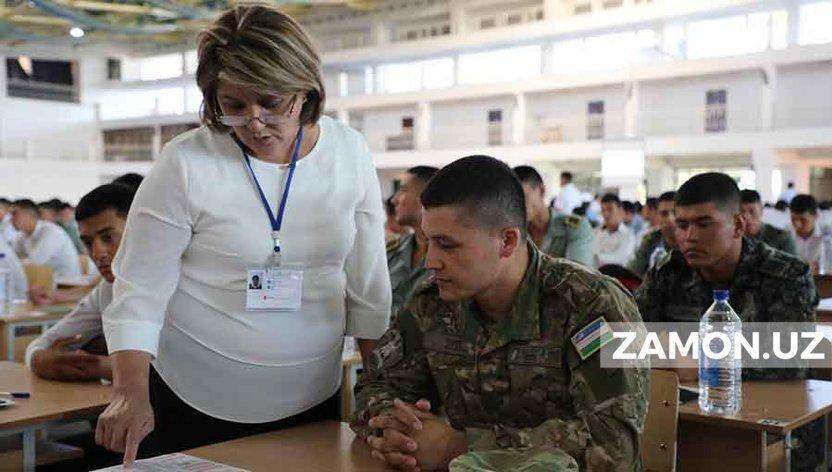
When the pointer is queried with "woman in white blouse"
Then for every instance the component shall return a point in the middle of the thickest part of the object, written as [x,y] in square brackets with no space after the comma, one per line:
[227,361]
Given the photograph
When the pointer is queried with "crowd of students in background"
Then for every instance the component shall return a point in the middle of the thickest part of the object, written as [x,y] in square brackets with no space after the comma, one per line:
[630,233]
[46,233]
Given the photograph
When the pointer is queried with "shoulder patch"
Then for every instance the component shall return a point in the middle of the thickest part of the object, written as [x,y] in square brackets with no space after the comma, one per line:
[572,221]
[394,244]
[592,337]
[780,264]
[665,260]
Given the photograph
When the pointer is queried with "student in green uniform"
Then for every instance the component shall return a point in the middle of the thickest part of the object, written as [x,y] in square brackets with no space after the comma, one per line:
[557,235]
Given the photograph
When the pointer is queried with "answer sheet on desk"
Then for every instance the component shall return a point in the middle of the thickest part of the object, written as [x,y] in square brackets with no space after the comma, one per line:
[175,462]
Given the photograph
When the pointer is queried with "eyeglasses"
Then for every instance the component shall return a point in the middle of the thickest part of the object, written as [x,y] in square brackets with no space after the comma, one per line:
[273,119]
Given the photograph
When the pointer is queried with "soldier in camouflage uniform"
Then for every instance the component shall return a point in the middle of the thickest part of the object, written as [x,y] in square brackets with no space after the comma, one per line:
[557,235]
[659,241]
[752,212]
[765,285]
[496,343]
[405,256]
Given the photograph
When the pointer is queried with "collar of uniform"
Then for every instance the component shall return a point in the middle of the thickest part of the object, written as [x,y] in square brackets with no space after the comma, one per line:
[404,246]
[39,227]
[524,321]
[746,266]
[550,229]
[745,276]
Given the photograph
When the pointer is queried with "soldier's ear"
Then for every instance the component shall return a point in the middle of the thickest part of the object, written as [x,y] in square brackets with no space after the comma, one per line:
[739,225]
[511,240]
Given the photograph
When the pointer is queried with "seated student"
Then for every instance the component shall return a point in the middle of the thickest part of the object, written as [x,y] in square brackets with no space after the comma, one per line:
[7,231]
[659,241]
[406,255]
[19,283]
[751,208]
[808,231]
[43,242]
[131,179]
[61,352]
[766,285]
[613,242]
[65,218]
[632,218]
[488,342]
[557,235]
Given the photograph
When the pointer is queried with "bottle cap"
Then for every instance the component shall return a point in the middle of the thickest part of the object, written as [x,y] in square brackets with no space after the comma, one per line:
[721,295]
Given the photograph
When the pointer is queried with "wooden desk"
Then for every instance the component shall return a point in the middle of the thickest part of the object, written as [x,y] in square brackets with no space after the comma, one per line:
[25,316]
[739,443]
[824,285]
[50,402]
[327,445]
[351,365]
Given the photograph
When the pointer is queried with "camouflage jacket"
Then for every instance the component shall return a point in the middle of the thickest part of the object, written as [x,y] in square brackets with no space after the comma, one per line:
[641,260]
[568,236]
[404,278]
[768,286]
[518,382]
[776,238]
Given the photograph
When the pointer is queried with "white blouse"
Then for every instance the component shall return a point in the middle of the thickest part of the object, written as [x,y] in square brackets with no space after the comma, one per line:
[197,223]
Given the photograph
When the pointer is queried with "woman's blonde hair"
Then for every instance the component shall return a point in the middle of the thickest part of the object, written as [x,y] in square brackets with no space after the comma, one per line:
[261,48]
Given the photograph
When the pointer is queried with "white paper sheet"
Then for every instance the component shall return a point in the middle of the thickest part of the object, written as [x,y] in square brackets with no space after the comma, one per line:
[173,463]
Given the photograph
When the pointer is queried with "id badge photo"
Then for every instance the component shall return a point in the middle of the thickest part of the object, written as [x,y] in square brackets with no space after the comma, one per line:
[274,288]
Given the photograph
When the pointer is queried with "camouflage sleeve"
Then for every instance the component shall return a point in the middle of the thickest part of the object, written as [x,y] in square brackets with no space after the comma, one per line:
[641,258]
[792,298]
[610,404]
[787,244]
[579,246]
[398,369]
[649,297]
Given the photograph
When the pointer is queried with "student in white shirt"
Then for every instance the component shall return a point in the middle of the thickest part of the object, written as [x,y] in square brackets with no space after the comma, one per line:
[569,197]
[807,229]
[19,283]
[73,349]
[7,231]
[788,194]
[614,242]
[199,229]
[43,242]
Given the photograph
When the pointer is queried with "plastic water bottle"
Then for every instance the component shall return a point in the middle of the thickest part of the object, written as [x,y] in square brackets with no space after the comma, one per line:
[825,265]
[5,284]
[720,380]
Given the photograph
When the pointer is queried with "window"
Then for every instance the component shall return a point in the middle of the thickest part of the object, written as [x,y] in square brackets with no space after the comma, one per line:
[511,64]
[495,127]
[815,19]
[487,23]
[733,35]
[417,75]
[41,80]
[113,69]
[605,51]
[191,61]
[779,29]
[595,120]
[715,111]
[167,66]
[404,140]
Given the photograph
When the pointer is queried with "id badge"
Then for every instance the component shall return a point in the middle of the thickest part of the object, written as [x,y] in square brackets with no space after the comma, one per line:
[274,288]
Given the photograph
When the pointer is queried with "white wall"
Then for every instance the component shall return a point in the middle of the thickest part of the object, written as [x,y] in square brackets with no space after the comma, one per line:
[678,106]
[45,129]
[804,96]
[465,124]
[568,110]
[380,123]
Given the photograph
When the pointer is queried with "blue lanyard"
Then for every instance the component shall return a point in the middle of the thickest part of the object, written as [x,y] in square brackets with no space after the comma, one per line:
[276,222]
